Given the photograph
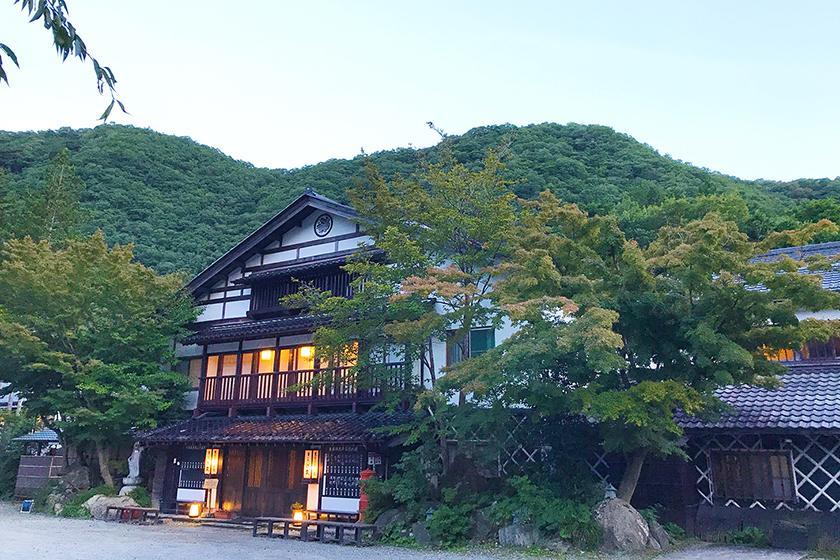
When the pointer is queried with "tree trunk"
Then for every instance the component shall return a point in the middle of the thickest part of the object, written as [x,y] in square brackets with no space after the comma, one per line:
[631,474]
[102,459]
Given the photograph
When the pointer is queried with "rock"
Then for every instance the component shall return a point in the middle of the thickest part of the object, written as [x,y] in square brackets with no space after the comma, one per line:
[421,534]
[624,529]
[77,478]
[55,500]
[481,526]
[389,517]
[660,535]
[557,545]
[519,535]
[97,505]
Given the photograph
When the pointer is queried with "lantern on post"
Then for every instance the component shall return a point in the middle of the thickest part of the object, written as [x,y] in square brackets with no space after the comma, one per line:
[366,474]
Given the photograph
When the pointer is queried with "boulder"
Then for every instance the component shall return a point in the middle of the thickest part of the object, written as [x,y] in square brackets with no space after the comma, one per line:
[481,526]
[624,529]
[389,517]
[660,535]
[77,478]
[421,534]
[97,505]
[58,496]
[519,534]
[557,545]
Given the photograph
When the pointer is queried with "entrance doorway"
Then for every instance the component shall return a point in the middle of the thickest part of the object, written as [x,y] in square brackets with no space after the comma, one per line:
[272,481]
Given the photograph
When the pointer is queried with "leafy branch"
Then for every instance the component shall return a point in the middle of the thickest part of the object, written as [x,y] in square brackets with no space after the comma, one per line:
[53,15]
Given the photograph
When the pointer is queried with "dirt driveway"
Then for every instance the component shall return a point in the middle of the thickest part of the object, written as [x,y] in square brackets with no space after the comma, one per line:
[38,537]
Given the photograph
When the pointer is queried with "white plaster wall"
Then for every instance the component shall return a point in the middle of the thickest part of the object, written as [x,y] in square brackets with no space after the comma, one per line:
[305,232]
[825,315]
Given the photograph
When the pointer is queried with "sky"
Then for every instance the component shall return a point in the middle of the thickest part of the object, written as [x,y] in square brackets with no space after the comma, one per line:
[747,88]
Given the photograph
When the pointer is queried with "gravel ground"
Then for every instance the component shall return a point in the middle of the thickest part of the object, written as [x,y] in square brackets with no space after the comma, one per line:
[37,537]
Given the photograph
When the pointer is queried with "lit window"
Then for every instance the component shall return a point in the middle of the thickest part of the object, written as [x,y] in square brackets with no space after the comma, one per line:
[306,357]
[229,364]
[212,366]
[266,361]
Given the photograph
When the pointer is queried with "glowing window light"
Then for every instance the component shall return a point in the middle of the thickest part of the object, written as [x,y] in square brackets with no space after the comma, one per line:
[307,351]
[310,464]
[267,355]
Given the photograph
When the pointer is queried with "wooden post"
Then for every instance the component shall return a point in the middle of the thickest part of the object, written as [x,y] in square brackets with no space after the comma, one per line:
[159,475]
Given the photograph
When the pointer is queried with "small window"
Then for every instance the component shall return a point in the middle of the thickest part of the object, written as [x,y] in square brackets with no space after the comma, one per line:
[229,364]
[191,369]
[481,340]
[265,361]
[752,475]
[212,366]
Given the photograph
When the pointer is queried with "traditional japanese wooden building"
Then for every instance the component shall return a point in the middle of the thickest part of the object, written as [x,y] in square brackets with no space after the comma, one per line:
[775,454]
[271,425]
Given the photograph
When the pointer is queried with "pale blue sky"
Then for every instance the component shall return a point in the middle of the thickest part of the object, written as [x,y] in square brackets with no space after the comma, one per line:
[744,87]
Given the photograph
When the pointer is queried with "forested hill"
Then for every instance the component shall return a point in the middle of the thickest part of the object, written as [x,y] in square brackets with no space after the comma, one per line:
[183,204]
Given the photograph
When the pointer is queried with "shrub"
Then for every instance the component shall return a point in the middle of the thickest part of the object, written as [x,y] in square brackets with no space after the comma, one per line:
[674,531]
[141,496]
[74,507]
[751,536]
[559,517]
[449,524]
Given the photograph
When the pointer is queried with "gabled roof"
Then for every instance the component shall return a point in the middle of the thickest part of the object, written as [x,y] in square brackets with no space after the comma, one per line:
[808,399]
[302,206]
[297,428]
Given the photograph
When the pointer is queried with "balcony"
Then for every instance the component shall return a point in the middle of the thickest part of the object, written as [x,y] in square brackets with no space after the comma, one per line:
[309,386]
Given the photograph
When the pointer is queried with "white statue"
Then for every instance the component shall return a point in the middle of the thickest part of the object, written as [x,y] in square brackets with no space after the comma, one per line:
[133,479]
[134,462]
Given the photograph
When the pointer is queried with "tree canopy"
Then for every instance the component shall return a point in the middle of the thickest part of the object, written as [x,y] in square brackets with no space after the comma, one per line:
[183,204]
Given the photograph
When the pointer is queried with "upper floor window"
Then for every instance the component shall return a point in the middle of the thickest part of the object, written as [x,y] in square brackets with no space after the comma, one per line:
[812,350]
[481,340]
[191,368]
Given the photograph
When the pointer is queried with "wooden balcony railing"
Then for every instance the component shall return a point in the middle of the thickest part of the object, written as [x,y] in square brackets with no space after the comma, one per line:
[301,386]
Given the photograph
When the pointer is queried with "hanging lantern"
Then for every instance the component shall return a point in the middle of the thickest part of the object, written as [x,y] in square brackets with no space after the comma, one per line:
[310,464]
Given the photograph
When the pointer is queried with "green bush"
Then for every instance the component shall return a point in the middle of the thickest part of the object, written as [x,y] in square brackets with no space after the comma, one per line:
[74,507]
[12,425]
[39,499]
[554,516]
[141,496]
[674,531]
[751,536]
[449,524]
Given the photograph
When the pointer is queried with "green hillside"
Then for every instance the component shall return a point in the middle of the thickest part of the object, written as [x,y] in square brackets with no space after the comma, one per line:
[183,204]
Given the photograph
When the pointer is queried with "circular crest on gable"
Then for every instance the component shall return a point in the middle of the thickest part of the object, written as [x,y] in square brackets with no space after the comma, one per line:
[323,225]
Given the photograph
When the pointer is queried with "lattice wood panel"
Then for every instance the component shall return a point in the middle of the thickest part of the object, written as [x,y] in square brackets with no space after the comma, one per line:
[816,468]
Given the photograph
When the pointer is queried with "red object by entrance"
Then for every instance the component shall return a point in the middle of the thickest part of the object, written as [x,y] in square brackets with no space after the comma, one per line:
[366,474]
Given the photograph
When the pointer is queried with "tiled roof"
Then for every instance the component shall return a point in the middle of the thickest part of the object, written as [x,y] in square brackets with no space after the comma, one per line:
[255,329]
[830,278]
[298,428]
[802,252]
[302,267]
[44,435]
[808,399]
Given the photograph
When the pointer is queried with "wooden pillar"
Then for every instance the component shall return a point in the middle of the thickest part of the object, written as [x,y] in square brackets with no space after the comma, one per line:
[159,474]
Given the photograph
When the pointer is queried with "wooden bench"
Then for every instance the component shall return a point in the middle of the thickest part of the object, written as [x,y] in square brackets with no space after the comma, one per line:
[325,530]
[132,514]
